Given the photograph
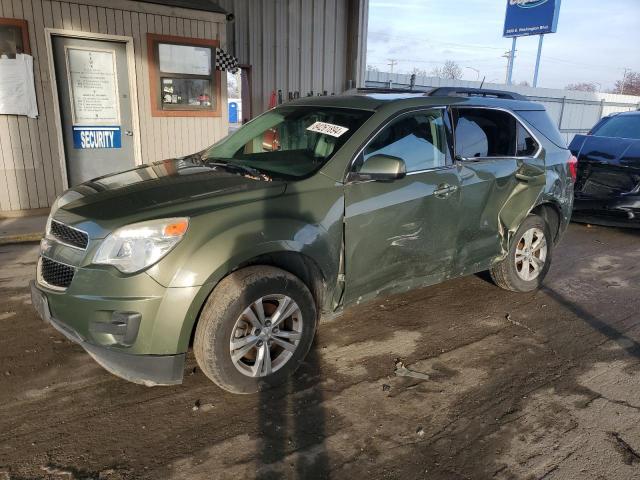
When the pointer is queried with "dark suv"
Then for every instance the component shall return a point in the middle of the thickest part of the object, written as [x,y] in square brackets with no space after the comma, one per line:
[607,189]
[313,206]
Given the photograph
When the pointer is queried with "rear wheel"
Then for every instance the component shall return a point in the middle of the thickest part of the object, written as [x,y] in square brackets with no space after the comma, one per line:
[529,257]
[255,329]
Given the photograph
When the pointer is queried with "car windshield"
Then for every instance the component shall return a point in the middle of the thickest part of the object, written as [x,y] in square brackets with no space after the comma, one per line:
[621,126]
[289,142]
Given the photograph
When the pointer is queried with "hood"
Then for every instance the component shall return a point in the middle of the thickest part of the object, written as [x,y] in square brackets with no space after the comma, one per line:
[182,186]
[606,166]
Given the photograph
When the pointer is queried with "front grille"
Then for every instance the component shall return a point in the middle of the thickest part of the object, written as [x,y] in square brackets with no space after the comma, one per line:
[69,235]
[55,273]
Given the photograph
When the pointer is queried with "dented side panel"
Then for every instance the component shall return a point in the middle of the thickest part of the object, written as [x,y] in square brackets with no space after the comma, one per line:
[497,195]
[399,234]
[485,185]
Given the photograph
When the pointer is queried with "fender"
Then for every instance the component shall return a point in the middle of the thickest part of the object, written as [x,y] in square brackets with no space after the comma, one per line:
[222,254]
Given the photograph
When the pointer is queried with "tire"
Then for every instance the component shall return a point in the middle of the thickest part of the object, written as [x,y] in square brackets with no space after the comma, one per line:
[511,274]
[231,310]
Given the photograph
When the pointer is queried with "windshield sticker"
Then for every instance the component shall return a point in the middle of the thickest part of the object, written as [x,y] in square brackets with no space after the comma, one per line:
[328,129]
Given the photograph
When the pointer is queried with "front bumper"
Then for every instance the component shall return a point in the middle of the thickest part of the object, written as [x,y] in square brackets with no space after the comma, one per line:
[147,370]
[621,211]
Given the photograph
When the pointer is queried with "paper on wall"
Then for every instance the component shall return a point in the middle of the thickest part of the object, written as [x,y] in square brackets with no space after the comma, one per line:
[17,87]
[184,59]
[93,86]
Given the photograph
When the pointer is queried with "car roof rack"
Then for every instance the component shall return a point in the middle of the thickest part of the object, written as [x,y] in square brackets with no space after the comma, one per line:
[386,90]
[474,92]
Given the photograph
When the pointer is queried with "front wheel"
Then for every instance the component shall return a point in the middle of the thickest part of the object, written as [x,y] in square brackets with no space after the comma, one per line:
[529,257]
[255,329]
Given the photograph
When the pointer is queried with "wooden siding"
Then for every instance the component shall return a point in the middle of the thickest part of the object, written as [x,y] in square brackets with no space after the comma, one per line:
[30,167]
[292,45]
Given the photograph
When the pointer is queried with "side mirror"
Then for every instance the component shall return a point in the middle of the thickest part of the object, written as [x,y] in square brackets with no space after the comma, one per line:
[382,168]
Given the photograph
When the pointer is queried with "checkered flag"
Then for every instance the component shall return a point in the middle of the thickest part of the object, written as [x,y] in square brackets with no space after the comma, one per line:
[226,61]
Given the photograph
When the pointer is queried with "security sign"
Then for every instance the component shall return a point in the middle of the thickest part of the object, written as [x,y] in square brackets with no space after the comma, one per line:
[97,137]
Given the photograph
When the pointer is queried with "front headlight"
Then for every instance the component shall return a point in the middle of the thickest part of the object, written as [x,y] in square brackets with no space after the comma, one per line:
[140,245]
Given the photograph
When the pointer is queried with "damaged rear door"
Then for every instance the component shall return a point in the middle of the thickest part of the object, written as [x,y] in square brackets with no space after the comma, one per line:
[502,175]
[401,233]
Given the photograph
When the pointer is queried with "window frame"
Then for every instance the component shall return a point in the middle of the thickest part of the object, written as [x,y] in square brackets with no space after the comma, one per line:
[155,76]
[448,136]
[453,112]
[23,25]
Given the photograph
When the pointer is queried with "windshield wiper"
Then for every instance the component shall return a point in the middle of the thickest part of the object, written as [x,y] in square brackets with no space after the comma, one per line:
[242,169]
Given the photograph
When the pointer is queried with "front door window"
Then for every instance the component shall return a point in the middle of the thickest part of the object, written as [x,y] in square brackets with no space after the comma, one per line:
[418,138]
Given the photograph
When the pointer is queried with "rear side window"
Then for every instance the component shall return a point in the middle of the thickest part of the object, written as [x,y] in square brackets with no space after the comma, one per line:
[526,145]
[418,138]
[541,121]
[620,126]
[481,133]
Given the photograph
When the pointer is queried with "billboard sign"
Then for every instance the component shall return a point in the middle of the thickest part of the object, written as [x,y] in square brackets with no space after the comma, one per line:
[531,17]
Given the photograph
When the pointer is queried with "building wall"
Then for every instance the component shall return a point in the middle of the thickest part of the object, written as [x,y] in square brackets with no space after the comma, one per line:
[574,112]
[292,45]
[30,167]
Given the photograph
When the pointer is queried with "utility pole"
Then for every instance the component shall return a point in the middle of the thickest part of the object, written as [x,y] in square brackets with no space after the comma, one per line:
[510,55]
[392,63]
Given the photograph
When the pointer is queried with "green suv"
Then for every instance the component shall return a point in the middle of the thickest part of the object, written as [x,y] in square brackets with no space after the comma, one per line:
[316,205]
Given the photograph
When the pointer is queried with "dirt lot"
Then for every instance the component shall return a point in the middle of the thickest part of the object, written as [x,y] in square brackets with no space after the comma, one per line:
[541,385]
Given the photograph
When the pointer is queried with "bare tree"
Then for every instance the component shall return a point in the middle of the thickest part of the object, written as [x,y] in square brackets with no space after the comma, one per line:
[450,70]
[582,87]
[372,68]
[629,85]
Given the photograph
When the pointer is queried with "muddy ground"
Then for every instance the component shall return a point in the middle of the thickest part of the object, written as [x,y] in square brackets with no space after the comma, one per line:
[541,385]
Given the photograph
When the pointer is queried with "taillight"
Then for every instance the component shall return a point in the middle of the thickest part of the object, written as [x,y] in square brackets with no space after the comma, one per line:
[573,167]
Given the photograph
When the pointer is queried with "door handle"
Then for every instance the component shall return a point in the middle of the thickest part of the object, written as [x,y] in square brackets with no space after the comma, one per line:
[444,190]
[128,133]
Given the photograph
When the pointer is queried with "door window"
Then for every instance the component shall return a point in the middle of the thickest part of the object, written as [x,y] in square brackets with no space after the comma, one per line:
[483,133]
[418,138]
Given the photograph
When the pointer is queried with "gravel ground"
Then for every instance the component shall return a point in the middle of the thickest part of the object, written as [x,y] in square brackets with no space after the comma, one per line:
[505,385]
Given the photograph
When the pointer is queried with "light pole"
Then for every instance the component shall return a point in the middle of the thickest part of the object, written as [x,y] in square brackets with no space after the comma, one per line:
[477,72]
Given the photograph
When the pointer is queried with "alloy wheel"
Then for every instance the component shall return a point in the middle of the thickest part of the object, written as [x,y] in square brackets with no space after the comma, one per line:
[531,254]
[266,335]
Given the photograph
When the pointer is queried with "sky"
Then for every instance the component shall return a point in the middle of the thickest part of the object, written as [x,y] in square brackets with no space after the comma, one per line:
[595,41]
